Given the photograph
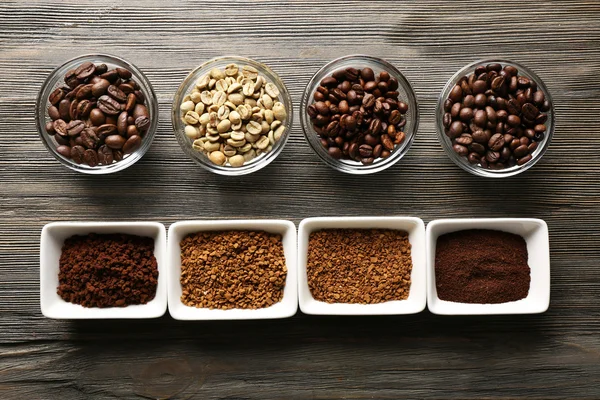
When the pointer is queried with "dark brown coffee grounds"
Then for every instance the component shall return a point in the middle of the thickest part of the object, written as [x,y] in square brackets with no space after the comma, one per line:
[481,266]
[232,269]
[364,266]
[113,270]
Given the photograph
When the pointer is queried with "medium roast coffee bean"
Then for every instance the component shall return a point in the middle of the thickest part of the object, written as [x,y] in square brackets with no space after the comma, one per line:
[495,108]
[100,105]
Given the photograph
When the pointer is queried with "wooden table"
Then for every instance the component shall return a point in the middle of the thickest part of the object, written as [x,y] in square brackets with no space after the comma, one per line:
[554,355]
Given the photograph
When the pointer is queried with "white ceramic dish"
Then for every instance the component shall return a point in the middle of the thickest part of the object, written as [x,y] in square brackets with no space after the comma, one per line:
[52,240]
[285,308]
[416,235]
[535,233]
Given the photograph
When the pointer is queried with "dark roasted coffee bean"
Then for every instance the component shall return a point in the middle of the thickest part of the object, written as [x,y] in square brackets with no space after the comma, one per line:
[447,120]
[124,73]
[465,139]
[60,127]
[477,148]
[97,117]
[496,142]
[479,86]
[492,156]
[448,105]
[329,82]
[466,114]
[524,160]
[474,158]
[387,142]
[460,149]
[530,111]
[353,150]
[132,130]
[90,138]
[312,111]
[108,105]
[71,79]
[140,110]
[64,151]
[352,74]
[322,108]
[117,94]
[455,110]
[377,150]
[541,118]
[497,83]
[64,109]
[367,74]
[139,95]
[456,129]
[85,70]
[142,123]
[541,128]
[99,88]
[513,107]
[334,152]
[105,155]
[368,101]
[533,146]
[480,100]
[75,127]
[111,75]
[538,97]
[49,127]
[90,157]
[370,86]
[77,154]
[85,92]
[53,113]
[132,144]
[56,96]
[106,130]
[84,107]
[318,96]
[521,151]
[115,142]
[513,120]
[480,118]
[371,140]
[456,93]
[365,150]
[73,109]
[122,123]
[480,136]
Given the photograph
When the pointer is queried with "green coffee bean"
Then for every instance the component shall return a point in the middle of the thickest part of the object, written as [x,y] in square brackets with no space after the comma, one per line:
[237,160]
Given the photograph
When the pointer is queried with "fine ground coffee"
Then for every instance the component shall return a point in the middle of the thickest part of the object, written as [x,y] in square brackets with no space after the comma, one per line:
[113,270]
[481,266]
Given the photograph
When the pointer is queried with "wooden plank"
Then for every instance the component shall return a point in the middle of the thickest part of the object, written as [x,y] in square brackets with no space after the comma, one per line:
[554,355]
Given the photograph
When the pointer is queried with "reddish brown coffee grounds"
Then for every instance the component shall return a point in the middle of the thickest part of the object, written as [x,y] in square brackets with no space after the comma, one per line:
[481,266]
[232,269]
[114,270]
[365,266]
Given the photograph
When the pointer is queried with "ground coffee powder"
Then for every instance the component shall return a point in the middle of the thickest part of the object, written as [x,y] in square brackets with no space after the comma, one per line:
[481,266]
[113,270]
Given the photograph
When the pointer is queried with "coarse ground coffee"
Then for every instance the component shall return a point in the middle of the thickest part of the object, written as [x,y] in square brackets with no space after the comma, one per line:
[481,266]
[363,266]
[113,270]
[232,269]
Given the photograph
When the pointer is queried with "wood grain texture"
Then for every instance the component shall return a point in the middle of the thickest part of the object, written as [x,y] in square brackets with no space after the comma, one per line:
[554,355]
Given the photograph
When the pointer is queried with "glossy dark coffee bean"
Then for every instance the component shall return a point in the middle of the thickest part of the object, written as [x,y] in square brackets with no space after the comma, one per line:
[132,144]
[110,75]
[89,138]
[456,129]
[100,87]
[97,117]
[474,158]
[460,149]
[84,107]
[107,130]
[77,154]
[105,155]
[108,105]
[53,113]
[117,94]
[90,157]
[64,151]
[64,107]
[365,150]
[56,96]
[492,156]
[524,160]
[496,142]
[115,142]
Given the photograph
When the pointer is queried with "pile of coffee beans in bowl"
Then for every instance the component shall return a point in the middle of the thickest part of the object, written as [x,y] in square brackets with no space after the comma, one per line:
[496,116]
[98,116]
[358,114]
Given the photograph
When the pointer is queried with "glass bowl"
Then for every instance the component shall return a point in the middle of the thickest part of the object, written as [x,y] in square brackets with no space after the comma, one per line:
[477,169]
[407,95]
[55,79]
[200,158]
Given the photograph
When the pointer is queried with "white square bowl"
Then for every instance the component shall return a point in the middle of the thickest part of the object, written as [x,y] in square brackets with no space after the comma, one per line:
[416,300]
[287,307]
[52,240]
[535,233]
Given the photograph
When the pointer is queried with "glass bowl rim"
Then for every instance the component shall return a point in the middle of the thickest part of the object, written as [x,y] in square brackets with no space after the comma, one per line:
[462,161]
[262,162]
[346,167]
[152,104]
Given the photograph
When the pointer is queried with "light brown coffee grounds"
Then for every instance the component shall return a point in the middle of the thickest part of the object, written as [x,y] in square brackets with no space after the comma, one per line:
[113,270]
[364,266]
[481,266]
[232,269]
